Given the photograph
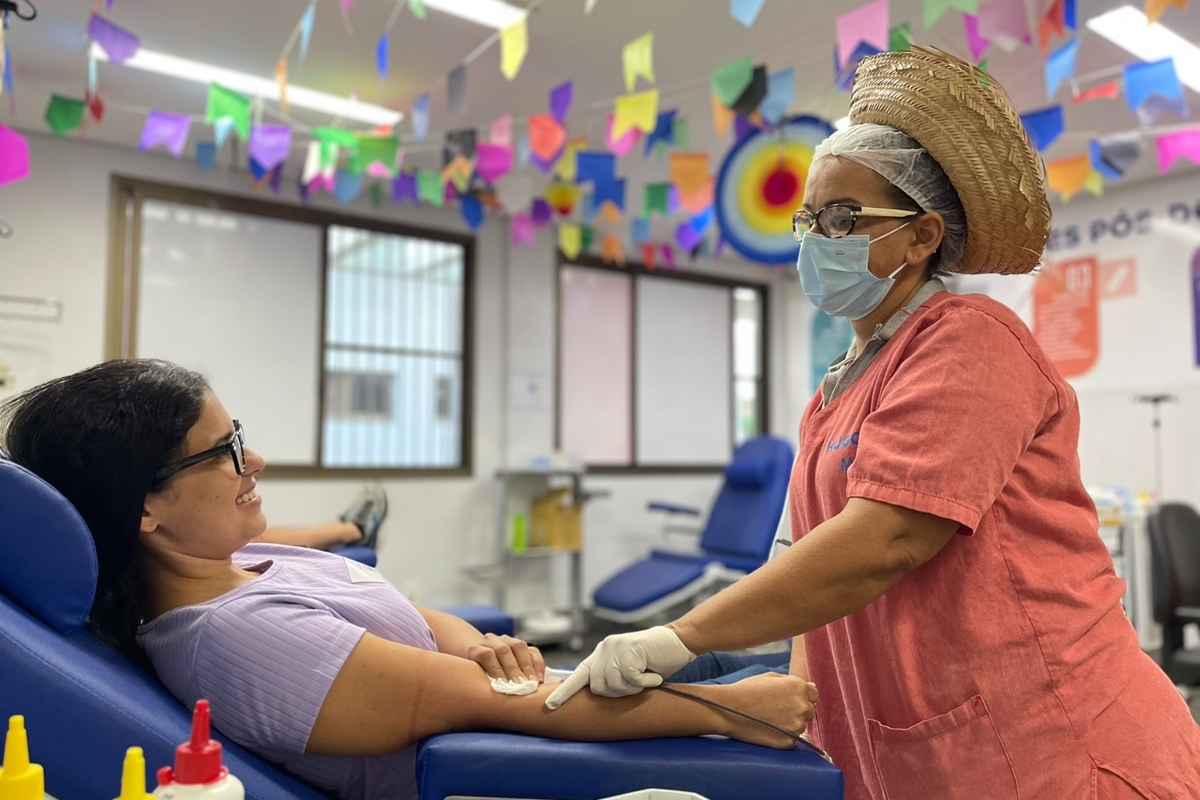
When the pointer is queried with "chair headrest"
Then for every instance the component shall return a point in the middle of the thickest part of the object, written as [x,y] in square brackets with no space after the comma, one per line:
[47,557]
[748,472]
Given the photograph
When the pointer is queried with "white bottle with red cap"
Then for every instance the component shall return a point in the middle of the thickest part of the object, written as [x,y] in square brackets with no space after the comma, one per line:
[199,773]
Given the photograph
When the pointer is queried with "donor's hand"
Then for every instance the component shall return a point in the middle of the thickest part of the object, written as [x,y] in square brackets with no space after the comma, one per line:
[783,700]
[507,658]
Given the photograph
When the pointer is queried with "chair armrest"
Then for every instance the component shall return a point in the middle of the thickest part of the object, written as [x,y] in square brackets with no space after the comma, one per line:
[1188,612]
[671,508]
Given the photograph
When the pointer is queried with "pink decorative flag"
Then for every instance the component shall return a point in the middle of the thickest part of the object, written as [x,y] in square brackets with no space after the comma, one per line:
[501,132]
[169,130]
[1174,146]
[625,143]
[522,230]
[14,156]
[270,145]
[975,41]
[867,24]
[1004,23]
[493,161]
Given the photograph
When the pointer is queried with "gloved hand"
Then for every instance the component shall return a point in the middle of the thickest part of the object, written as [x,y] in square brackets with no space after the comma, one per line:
[626,664]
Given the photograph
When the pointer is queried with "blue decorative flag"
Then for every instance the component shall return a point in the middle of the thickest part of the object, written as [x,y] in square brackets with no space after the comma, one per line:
[781,91]
[703,220]
[306,27]
[1060,66]
[472,211]
[844,78]
[221,129]
[523,152]
[1069,18]
[745,11]
[587,209]
[597,167]
[612,191]
[664,131]
[8,82]
[420,117]
[206,156]
[381,56]
[640,230]
[1152,78]
[1044,126]
[257,170]
[346,185]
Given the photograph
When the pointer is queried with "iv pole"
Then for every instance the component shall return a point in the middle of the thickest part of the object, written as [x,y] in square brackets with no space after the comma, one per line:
[1156,401]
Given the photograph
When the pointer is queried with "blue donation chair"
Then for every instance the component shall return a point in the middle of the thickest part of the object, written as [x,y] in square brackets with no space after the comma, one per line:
[84,704]
[737,538]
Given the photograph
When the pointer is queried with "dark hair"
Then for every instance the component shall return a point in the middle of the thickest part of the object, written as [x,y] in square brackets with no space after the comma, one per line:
[98,436]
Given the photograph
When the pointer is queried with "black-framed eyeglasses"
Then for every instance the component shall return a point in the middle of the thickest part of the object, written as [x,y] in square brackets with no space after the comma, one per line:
[235,447]
[838,219]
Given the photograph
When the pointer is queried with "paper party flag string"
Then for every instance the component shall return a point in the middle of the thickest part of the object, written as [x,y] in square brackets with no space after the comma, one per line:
[64,114]
[635,111]
[169,130]
[514,44]
[119,44]
[224,103]
[745,11]
[638,61]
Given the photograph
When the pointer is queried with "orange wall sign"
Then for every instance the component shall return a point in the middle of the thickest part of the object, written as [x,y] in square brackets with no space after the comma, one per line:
[1066,315]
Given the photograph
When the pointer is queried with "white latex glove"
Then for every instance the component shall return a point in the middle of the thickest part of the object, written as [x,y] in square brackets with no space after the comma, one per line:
[626,664]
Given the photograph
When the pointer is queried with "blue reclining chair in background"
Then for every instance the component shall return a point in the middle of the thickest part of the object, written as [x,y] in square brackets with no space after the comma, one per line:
[84,704]
[737,538]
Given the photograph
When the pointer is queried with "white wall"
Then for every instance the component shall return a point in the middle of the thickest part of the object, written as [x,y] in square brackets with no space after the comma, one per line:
[435,527]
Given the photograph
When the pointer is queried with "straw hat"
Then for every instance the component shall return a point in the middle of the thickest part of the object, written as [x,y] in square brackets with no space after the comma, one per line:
[966,122]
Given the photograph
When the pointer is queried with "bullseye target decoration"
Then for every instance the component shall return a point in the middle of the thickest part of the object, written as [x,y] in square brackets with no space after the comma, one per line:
[761,184]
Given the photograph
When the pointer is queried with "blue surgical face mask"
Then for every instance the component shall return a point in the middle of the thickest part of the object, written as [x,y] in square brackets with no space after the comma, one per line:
[835,275]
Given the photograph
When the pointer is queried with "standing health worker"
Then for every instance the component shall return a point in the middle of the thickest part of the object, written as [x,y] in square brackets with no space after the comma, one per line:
[947,587]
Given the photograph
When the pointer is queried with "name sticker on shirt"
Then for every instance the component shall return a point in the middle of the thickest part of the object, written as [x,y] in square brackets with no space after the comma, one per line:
[361,573]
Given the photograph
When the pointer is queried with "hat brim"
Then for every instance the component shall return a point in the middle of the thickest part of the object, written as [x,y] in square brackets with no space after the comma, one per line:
[963,118]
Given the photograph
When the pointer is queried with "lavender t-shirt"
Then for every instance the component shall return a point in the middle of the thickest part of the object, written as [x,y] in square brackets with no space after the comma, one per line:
[265,654]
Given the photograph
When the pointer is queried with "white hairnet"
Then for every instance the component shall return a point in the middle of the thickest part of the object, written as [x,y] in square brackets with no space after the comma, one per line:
[909,167]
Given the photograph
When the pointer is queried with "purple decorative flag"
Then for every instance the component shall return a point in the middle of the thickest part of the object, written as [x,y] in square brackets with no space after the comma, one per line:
[560,100]
[493,161]
[270,144]
[672,200]
[686,236]
[118,43]
[404,187]
[548,165]
[541,212]
[742,128]
[169,130]
[522,230]
[303,187]
[14,156]
[720,248]
[276,178]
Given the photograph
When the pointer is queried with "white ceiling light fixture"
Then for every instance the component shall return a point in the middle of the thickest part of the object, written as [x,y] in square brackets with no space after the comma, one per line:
[492,13]
[1127,27]
[268,88]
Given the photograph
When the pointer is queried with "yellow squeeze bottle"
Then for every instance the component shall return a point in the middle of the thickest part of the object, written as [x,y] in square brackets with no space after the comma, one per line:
[20,780]
[133,776]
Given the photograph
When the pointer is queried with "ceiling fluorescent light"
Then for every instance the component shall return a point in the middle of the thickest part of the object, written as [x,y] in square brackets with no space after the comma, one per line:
[267,88]
[492,13]
[1126,27]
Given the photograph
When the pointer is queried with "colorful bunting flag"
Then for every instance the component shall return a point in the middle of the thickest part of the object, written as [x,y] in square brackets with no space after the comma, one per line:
[501,131]
[635,111]
[753,95]
[745,11]
[522,230]
[14,156]
[374,149]
[472,211]
[701,199]
[1174,146]
[867,24]
[781,91]
[663,133]
[976,42]
[1145,79]
[585,237]
[639,230]
[1044,126]
[376,193]
[306,27]
[540,211]
[514,44]
[206,156]
[1156,8]
[381,56]
[560,101]
[900,38]
[623,144]
[657,196]
[610,250]
[668,256]
[722,116]
[493,161]
[1053,24]
[420,117]
[1112,156]
[270,145]
[1095,184]
[562,197]
[689,171]
[570,240]
[935,8]
[346,186]
[118,44]
[686,236]
[1060,66]
[1005,23]
[429,188]
[1069,20]
[595,167]
[417,7]
[64,114]
[649,251]
[1107,91]
[546,136]
[95,106]
[730,80]
[609,191]
[458,174]
[224,103]
[169,130]
[281,79]
[404,187]
[1067,176]
[459,143]
[681,137]
[638,61]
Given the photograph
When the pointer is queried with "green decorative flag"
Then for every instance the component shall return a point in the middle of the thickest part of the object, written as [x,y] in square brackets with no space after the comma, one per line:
[657,197]
[377,194]
[730,80]
[331,139]
[375,148]
[418,8]
[225,103]
[681,135]
[900,38]
[64,115]
[586,235]
[984,69]
[935,8]
[430,189]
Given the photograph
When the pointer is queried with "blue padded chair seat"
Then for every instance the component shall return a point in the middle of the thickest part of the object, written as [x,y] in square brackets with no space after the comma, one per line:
[485,619]
[646,581]
[84,705]
[508,765]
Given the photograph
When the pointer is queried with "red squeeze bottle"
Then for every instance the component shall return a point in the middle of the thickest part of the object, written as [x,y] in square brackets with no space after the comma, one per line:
[198,771]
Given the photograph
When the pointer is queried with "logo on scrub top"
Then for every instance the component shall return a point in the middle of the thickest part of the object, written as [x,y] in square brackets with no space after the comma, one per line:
[843,443]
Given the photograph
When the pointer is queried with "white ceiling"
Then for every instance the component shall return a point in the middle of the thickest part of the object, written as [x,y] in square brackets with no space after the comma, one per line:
[691,38]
